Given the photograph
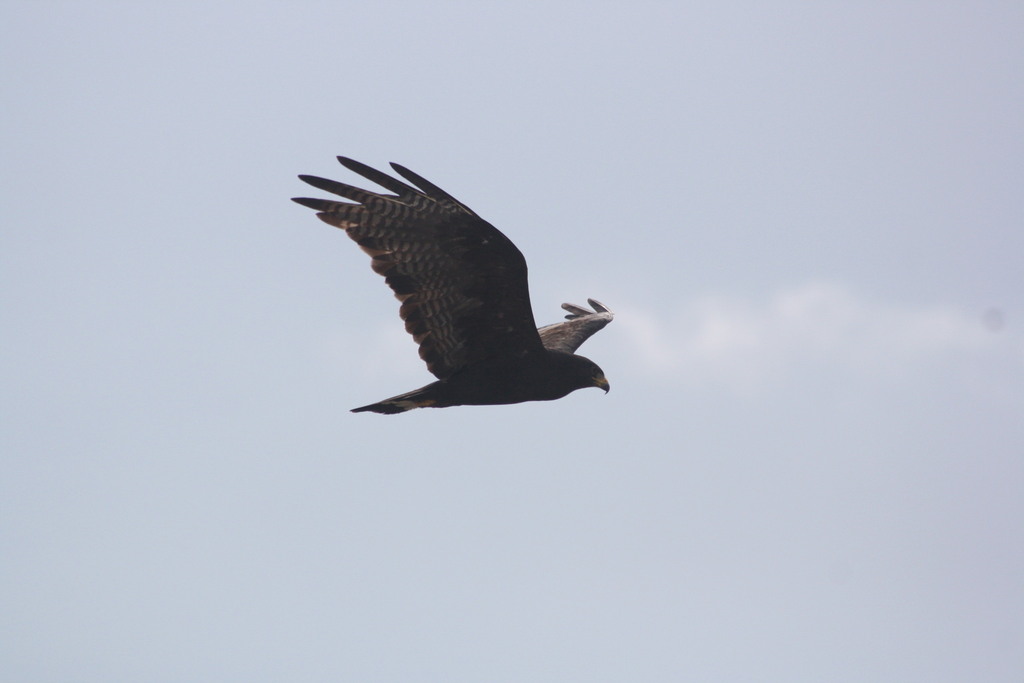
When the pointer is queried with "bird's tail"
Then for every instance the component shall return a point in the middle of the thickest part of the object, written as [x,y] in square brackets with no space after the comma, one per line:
[418,398]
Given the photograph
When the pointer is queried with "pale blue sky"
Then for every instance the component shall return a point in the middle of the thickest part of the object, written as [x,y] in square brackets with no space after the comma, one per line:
[808,218]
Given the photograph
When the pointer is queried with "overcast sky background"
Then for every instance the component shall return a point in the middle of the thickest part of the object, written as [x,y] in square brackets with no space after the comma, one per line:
[808,218]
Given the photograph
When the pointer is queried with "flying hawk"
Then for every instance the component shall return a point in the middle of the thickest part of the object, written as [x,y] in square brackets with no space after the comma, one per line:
[464,293]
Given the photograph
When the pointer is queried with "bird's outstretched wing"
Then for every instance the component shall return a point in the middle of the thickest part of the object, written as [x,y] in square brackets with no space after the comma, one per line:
[462,283]
[579,325]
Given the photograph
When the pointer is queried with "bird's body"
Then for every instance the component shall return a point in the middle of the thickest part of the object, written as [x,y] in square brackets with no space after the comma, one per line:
[464,293]
[546,377]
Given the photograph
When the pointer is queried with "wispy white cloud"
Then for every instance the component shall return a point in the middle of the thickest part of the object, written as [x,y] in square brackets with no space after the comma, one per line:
[819,327]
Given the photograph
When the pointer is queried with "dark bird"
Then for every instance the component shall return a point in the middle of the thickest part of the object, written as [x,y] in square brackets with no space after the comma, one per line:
[464,293]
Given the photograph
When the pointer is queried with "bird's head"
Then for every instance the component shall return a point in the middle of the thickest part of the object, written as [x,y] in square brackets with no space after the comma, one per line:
[594,374]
